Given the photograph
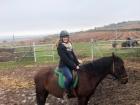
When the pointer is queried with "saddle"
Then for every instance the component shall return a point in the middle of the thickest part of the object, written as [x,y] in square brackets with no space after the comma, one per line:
[61,79]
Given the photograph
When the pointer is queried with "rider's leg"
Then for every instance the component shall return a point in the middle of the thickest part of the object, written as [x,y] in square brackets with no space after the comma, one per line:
[69,79]
[68,75]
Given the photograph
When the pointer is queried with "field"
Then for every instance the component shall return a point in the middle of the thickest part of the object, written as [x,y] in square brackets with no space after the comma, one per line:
[17,86]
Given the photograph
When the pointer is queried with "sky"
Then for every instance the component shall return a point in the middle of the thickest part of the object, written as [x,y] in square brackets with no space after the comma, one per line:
[36,17]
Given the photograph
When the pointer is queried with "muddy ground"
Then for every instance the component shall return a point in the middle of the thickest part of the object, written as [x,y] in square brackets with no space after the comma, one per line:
[17,88]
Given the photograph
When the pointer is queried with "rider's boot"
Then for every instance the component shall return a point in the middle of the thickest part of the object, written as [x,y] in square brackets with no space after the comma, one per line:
[68,93]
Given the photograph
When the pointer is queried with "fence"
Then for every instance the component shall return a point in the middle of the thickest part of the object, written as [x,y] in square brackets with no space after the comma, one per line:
[104,48]
[33,52]
[47,48]
[93,49]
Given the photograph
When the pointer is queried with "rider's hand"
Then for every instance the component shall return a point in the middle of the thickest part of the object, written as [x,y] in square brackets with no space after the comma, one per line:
[77,67]
[80,61]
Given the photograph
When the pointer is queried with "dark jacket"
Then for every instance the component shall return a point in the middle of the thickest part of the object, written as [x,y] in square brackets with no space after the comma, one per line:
[67,57]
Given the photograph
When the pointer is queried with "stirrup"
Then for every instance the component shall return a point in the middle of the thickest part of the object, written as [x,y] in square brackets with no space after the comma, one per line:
[65,96]
[68,93]
[66,99]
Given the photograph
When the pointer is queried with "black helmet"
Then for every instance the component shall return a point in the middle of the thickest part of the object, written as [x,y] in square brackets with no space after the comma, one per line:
[64,34]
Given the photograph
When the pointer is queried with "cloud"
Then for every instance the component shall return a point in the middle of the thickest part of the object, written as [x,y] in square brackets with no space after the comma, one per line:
[30,16]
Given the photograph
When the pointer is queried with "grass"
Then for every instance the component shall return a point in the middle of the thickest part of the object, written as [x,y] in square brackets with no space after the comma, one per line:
[82,50]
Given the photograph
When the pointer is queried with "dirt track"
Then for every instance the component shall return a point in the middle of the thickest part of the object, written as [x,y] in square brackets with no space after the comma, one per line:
[17,88]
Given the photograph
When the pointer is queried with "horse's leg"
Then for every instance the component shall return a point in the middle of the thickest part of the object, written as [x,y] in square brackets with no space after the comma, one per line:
[41,96]
[83,100]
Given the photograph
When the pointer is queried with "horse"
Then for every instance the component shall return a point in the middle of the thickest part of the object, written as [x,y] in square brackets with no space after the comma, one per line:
[90,75]
[130,43]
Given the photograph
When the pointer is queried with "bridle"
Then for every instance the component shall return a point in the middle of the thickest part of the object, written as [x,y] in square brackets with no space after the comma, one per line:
[120,77]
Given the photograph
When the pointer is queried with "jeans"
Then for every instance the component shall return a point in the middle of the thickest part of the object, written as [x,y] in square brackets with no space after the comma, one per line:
[68,75]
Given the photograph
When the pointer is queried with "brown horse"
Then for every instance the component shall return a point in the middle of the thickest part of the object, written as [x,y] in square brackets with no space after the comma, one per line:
[90,75]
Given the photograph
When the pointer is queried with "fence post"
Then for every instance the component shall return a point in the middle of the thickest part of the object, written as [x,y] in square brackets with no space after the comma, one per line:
[53,52]
[92,48]
[34,51]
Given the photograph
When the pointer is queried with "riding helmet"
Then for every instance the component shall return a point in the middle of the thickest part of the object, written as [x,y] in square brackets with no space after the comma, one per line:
[64,34]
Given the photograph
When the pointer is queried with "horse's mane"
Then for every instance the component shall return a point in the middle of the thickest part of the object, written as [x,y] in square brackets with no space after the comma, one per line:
[97,66]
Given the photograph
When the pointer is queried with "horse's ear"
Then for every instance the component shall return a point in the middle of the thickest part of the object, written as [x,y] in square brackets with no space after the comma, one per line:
[113,55]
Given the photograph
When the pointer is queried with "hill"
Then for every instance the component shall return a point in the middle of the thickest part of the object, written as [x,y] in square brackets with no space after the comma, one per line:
[120,26]
[112,31]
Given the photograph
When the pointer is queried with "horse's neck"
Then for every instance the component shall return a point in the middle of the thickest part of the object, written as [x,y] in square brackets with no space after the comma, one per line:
[107,68]
[99,80]
[101,76]
[97,76]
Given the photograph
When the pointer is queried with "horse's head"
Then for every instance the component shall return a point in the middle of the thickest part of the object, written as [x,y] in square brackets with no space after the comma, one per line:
[118,69]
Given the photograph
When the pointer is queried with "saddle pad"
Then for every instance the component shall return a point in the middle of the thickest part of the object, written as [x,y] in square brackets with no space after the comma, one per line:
[61,79]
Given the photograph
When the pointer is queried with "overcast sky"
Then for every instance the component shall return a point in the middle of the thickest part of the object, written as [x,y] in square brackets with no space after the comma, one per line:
[26,17]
